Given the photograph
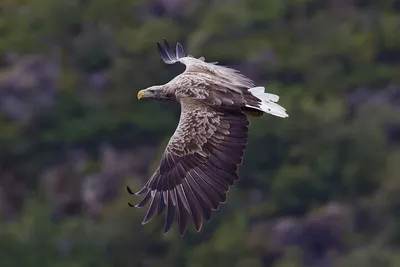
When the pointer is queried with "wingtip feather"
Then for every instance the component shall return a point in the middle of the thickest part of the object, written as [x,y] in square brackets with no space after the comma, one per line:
[180,52]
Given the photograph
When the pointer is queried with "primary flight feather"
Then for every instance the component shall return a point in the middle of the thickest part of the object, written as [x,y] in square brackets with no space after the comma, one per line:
[201,160]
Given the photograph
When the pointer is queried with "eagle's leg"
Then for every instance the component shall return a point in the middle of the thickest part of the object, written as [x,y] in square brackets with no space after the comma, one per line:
[252,112]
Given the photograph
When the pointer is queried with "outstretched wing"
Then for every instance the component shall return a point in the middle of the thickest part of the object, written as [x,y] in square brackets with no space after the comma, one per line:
[199,165]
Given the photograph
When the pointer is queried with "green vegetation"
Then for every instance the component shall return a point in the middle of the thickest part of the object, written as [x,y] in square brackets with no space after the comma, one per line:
[69,74]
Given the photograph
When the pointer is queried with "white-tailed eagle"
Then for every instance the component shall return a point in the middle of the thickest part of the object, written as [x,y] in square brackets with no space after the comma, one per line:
[201,160]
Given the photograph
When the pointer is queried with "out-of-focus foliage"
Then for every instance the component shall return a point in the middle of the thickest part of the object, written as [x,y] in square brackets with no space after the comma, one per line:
[317,189]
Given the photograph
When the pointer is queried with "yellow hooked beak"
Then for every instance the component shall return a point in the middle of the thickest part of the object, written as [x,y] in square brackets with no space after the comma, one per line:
[140,94]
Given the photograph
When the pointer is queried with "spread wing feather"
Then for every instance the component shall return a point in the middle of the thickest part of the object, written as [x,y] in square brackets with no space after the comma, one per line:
[198,166]
[169,57]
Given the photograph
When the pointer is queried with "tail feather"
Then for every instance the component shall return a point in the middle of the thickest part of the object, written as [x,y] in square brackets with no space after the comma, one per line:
[259,92]
[268,104]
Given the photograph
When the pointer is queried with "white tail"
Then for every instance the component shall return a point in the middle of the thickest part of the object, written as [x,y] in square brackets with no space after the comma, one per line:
[268,104]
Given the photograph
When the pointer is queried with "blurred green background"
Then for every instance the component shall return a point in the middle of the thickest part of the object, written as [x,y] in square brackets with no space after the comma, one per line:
[320,188]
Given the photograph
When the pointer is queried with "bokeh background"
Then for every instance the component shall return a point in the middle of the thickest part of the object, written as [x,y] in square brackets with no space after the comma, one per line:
[320,188]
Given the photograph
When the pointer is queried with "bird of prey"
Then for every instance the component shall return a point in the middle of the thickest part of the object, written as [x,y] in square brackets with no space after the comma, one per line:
[201,160]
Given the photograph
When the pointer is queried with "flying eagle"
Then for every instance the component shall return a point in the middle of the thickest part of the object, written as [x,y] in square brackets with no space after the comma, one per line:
[202,157]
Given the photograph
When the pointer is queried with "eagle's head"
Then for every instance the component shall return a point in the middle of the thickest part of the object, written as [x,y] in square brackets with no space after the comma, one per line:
[157,92]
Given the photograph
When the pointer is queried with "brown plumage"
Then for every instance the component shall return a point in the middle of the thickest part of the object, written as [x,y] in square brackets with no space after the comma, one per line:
[201,160]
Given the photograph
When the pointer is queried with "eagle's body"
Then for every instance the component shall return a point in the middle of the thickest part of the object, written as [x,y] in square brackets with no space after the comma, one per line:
[201,160]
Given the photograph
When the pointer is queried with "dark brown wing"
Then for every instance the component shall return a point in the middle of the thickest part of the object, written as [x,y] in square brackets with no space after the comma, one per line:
[199,165]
